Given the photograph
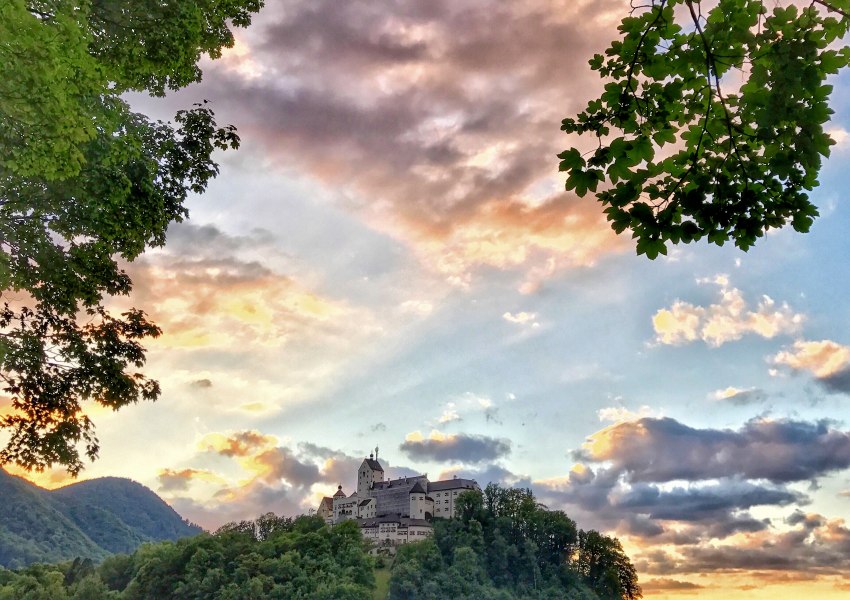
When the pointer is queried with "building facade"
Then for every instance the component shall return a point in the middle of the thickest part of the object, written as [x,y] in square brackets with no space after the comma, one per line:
[394,511]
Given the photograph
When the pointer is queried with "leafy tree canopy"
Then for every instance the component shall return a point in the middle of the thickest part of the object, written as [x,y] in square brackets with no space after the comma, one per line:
[84,182]
[711,123]
[300,558]
[506,545]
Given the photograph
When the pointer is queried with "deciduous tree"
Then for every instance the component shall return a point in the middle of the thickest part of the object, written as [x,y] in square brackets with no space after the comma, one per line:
[712,120]
[84,182]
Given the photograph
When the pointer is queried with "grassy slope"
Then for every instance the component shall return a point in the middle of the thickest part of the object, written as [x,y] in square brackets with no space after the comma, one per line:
[382,584]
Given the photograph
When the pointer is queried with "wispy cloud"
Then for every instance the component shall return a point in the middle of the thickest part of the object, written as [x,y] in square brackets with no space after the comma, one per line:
[449,414]
[739,396]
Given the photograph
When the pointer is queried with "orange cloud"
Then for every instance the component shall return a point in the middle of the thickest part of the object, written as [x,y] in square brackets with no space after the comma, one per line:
[206,303]
[441,135]
[823,359]
[171,480]
[543,239]
[241,444]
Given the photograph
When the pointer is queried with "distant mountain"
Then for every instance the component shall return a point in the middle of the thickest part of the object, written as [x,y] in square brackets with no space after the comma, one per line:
[91,519]
[32,530]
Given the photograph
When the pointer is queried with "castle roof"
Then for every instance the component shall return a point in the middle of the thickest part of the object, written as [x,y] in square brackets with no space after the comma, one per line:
[418,488]
[453,484]
[339,493]
[394,518]
[401,482]
[373,464]
[366,501]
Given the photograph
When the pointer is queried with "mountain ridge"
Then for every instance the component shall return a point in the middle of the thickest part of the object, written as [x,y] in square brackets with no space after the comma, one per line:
[89,519]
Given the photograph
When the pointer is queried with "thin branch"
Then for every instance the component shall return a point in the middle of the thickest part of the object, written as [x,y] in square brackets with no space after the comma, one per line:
[633,63]
[711,73]
[832,8]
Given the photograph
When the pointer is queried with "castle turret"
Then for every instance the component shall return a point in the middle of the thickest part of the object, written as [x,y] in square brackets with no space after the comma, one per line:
[421,504]
[370,472]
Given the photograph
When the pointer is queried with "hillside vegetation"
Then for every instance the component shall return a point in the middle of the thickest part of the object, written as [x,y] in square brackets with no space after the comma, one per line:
[91,519]
[300,558]
[504,546]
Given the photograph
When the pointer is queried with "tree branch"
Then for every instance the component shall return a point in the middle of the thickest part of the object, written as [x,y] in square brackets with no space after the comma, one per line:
[831,8]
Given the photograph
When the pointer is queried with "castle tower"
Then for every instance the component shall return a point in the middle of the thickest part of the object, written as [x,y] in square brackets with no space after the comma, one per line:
[370,472]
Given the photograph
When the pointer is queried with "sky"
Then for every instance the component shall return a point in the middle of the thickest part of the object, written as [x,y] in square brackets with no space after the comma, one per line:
[390,261]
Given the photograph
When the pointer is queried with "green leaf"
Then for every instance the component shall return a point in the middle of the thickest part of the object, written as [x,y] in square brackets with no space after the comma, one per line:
[570,160]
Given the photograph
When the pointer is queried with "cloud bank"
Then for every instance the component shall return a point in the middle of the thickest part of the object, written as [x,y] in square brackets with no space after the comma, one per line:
[461,447]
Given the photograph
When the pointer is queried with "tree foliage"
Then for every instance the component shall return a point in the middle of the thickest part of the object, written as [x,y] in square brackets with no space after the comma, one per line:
[505,545]
[300,558]
[711,123]
[86,182]
[518,550]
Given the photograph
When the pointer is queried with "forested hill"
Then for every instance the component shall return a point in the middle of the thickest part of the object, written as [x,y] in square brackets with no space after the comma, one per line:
[504,546]
[91,519]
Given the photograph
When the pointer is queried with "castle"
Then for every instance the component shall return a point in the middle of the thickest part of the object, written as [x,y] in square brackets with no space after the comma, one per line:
[394,511]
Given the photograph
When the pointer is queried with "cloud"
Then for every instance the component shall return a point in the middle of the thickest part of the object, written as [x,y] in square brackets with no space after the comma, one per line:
[210,290]
[420,308]
[618,414]
[444,135]
[522,318]
[459,447]
[225,302]
[708,503]
[727,320]
[467,405]
[240,444]
[492,473]
[450,414]
[661,450]
[669,585]
[668,485]
[225,309]
[605,499]
[171,480]
[282,464]
[828,361]
[202,383]
[740,397]
[491,415]
[248,473]
[815,546]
